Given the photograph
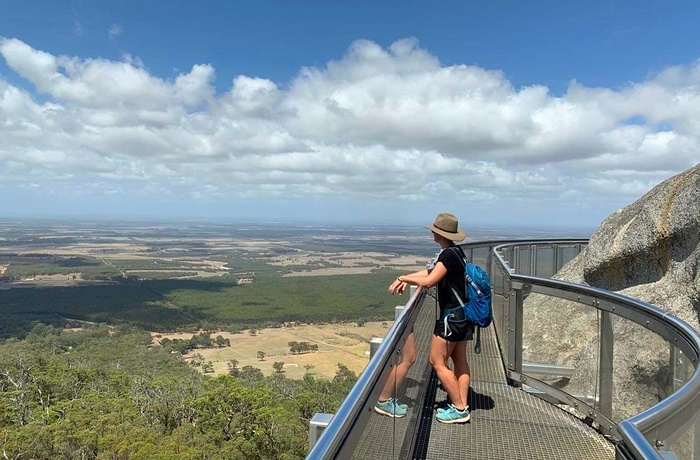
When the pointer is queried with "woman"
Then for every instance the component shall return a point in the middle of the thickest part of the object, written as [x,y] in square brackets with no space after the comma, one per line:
[447,273]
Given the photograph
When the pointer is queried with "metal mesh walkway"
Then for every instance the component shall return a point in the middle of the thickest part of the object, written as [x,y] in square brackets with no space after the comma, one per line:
[508,423]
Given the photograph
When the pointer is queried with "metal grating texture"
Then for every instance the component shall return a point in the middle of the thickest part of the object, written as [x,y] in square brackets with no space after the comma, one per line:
[389,438]
[507,423]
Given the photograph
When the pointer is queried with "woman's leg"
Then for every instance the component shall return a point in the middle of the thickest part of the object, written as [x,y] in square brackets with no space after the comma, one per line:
[461,371]
[440,351]
[408,357]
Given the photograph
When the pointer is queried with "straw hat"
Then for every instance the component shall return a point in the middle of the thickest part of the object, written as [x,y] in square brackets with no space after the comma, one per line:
[446,225]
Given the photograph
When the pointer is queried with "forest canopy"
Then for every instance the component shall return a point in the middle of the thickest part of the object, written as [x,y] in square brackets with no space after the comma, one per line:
[105,393]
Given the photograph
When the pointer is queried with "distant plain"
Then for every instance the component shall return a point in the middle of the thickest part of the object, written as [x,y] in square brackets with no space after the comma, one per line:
[316,282]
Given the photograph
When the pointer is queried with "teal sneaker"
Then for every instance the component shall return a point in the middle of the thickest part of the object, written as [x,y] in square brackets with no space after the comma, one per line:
[453,415]
[400,404]
[443,409]
[389,408]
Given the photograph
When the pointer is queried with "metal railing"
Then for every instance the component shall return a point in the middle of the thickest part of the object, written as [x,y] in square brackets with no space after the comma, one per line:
[339,438]
[666,387]
[532,316]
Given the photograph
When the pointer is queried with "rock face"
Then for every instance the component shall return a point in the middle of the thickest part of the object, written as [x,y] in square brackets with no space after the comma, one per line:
[649,250]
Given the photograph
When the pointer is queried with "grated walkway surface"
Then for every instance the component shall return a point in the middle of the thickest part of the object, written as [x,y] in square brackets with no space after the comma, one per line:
[508,423]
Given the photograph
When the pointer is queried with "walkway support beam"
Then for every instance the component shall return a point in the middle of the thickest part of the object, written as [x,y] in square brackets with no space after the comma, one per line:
[605,376]
[515,332]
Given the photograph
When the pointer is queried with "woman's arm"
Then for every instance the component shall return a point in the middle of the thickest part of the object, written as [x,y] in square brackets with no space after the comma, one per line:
[419,278]
[397,287]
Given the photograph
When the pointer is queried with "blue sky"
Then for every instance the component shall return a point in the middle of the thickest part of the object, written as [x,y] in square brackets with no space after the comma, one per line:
[548,112]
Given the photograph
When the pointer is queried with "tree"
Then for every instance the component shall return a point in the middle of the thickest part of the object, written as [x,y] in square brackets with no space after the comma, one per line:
[249,421]
[106,393]
[233,368]
[301,347]
[261,355]
[344,375]
[200,340]
[197,360]
[17,375]
[251,374]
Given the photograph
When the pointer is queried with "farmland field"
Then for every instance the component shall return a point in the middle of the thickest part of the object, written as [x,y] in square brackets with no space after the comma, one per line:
[175,280]
[345,343]
[180,278]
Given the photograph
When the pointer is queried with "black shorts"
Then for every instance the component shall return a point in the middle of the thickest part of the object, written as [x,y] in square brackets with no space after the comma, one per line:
[460,331]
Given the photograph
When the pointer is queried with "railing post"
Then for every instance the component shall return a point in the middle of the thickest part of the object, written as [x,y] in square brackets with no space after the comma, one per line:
[515,332]
[489,263]
[696,435]
[317,424]
[605,382]
[672,370]
[374,344]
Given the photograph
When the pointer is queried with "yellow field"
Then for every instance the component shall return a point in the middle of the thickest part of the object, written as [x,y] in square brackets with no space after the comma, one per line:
[344,343]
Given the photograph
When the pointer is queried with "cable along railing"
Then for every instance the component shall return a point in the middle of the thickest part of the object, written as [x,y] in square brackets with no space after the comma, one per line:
[621,365]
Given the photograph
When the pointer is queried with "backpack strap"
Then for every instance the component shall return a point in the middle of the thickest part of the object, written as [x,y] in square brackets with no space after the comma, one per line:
[466,275]
[433,261]
[458,251]
[477,344]
[463,258]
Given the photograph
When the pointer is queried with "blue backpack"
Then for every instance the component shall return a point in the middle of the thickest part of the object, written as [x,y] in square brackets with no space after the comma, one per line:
[478,308]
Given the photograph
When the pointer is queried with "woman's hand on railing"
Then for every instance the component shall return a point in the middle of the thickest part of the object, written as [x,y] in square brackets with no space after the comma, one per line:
[397,287]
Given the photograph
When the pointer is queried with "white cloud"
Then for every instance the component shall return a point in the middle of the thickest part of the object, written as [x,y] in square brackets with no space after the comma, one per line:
[377,123]
[115,30]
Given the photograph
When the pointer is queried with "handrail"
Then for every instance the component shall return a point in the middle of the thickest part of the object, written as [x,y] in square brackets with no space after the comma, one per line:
[338,433]
[632,309]
[656,423]
[681,406]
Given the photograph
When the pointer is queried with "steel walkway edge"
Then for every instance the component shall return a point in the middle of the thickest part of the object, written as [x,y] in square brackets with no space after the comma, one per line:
[507,422]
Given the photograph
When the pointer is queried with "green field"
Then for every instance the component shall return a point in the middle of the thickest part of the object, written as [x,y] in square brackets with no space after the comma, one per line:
[187,304]
[166,278]
[45,264]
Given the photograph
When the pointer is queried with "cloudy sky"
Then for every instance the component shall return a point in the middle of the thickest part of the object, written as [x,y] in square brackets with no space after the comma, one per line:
[503,112]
